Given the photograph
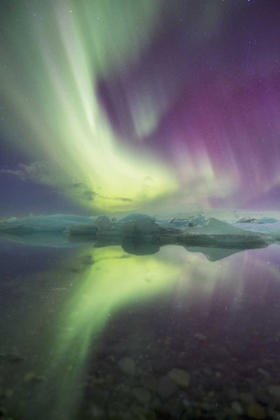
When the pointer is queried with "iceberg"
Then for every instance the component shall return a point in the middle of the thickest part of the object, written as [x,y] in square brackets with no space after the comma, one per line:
[247,219]
[267,220]
[261,220]
[141,234]
[52,223]
[188,222]
[271,229]
[218,234]
[136,217]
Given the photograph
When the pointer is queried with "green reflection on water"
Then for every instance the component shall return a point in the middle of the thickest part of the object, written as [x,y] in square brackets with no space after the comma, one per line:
[109,281]
[103,281]
[69,306]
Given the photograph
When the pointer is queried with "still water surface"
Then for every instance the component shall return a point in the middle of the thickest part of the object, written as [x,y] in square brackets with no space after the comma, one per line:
[96,333]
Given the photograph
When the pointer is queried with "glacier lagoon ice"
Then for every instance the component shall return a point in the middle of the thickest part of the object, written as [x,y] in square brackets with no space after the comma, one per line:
[143,234]
[51,223]
[272,229]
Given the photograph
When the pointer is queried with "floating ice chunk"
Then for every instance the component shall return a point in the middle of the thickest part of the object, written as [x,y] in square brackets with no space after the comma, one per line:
[254,220]
[11,220]
[247,219]
[136,216]
[267,220]
[216,227]
[52,223]
[144,230]
[272,229]
[140,228]
[190,221]
[216,233]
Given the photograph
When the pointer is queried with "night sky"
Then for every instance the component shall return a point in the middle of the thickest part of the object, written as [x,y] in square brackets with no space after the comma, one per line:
[123,105]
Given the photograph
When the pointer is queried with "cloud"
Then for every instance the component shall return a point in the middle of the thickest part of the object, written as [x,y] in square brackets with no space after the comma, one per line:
[39,173]
[125,200]
[81,190]
[34,172]
[88,194]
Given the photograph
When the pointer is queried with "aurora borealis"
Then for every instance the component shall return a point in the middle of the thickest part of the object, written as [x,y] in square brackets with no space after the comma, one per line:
[116,105]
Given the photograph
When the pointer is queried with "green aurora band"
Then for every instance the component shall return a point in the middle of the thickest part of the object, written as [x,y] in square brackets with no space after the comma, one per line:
[52,63]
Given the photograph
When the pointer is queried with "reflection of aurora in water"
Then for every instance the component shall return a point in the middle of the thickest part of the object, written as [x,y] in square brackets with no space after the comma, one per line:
[113,281]
[98,283]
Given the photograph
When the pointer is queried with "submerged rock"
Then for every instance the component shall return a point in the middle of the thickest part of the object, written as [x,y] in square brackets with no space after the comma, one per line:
[166,387]
[127,365]
[142,395]
[180,377]
[149,381]
[274,390]
[256,411]
[237,408]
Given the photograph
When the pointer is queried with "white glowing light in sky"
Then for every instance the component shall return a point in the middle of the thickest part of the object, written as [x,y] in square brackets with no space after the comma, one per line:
[52,92]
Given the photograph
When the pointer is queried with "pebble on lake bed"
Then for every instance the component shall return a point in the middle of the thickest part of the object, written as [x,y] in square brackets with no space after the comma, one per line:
[166,387]
[142,395]
[149,381]
[180,377]
[127,365]
[275,391]
[237,408]
[256,411]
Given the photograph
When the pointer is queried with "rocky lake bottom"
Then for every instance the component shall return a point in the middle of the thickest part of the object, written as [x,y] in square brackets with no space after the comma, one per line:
[106,335]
